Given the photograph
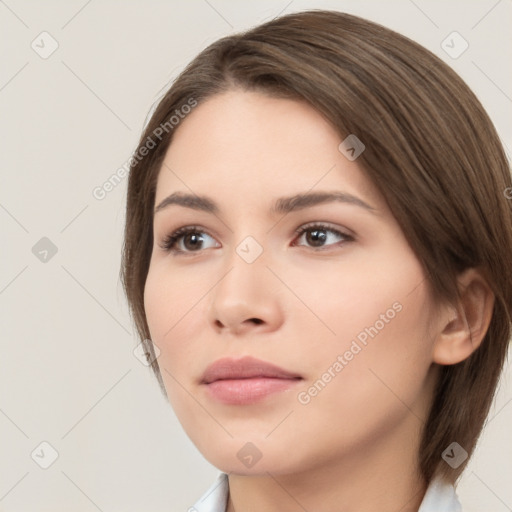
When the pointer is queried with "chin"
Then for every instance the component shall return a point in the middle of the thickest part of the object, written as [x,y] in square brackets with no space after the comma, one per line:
[247,459]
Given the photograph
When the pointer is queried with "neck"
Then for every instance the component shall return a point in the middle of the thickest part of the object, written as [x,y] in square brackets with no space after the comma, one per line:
[382,476]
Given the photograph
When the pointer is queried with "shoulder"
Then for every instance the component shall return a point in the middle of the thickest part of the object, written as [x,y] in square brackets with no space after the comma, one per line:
[440,497]
[215,499]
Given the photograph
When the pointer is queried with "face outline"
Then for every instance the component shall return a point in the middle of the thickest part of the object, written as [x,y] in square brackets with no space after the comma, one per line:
[199,306]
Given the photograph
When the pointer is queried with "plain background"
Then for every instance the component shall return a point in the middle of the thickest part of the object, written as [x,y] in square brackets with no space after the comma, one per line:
[68,374]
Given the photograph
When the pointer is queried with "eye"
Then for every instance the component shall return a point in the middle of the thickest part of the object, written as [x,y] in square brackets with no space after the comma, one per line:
[321,235]
[188,239]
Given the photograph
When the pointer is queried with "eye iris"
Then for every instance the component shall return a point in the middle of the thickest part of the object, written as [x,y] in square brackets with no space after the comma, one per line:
[192,241]
[316,237]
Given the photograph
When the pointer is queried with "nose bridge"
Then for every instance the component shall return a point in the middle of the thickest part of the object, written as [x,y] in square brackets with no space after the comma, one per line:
[243,292]
[246,269]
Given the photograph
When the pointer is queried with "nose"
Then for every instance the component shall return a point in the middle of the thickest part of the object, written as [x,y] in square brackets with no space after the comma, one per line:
[246,299]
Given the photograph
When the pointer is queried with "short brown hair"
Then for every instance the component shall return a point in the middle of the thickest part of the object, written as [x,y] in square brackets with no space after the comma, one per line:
[431,149]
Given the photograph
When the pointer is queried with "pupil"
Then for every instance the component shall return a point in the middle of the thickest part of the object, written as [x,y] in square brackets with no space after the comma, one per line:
[316,237]
[192,240]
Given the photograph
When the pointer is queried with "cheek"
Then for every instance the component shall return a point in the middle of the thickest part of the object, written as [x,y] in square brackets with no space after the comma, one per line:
[169,296]
[171,304]
[176,315]
[340,300]
[380,358]
[375,316]
[375,387]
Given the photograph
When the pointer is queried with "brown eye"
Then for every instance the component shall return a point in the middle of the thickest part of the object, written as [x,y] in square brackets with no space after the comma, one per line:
[192,241]
[316,237]
[188,240]
[319,236]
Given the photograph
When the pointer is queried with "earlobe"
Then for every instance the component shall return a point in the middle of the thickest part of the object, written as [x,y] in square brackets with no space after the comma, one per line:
[466,321]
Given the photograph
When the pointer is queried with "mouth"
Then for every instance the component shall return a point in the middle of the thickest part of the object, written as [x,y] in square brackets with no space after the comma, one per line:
[246,381]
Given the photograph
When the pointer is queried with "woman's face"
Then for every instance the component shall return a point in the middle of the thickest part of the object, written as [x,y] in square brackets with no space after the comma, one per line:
[326,289]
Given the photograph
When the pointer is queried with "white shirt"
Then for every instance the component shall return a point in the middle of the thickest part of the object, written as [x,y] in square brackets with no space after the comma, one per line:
[440,497]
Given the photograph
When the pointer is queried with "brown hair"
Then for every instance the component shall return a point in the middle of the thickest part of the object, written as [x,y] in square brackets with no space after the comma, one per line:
[431,149]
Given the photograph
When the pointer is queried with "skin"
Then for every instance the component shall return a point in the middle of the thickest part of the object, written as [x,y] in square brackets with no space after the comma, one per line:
[359,436]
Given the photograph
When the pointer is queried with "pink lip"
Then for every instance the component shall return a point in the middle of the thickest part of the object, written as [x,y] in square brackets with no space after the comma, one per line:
[246,380]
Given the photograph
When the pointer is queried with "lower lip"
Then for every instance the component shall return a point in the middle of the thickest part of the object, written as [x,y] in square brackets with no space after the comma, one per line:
[247,391]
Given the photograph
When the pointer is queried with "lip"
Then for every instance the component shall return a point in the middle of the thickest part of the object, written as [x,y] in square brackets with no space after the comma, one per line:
[246,380]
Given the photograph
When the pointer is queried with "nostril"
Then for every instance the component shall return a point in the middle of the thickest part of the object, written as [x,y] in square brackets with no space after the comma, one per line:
[256,321]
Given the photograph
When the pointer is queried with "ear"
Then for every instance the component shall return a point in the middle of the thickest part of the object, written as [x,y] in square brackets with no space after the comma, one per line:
[466,322]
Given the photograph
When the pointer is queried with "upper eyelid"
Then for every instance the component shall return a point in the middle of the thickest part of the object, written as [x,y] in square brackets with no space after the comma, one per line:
[328,226]
[191,227]
[180,232]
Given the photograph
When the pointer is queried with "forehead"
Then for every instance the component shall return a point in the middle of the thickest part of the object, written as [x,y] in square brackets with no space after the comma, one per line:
[240,144]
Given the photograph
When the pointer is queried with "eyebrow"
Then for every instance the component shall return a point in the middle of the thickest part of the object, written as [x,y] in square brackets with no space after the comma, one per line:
[282,205]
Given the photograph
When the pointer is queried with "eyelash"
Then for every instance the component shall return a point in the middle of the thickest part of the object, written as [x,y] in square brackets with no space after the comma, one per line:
[169,242]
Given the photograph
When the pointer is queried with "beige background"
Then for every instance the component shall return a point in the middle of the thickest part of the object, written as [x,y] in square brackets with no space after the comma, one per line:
[68,375]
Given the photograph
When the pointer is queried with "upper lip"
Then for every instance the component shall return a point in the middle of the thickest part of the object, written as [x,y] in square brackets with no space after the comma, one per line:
[245,368]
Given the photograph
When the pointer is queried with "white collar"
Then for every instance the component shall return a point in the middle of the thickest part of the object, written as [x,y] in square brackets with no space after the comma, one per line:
[440,497]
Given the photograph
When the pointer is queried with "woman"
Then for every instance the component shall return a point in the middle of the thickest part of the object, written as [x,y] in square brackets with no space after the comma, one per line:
[317,242]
